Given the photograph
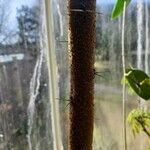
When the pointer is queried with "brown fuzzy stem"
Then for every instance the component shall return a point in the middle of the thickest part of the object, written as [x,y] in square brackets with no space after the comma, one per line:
[82,52]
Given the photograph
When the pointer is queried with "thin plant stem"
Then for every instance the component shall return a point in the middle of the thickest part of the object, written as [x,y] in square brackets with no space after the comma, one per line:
[52,70]
[124,87]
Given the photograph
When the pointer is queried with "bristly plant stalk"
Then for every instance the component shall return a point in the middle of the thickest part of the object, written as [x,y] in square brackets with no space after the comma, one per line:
[82,56]
[124,86]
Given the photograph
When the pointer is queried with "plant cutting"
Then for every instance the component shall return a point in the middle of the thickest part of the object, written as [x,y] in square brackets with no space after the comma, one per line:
[137,80]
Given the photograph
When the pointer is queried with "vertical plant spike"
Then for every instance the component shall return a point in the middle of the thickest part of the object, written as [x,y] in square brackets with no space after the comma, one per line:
[57,142]
[118,8]
[82,53]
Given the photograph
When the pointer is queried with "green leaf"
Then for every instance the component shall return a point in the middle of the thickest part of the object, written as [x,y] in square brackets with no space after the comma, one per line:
[118,8]
[124,80]
[139,120]
[139,81]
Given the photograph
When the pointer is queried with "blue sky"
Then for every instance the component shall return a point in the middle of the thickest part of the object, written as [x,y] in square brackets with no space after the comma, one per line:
[18,3]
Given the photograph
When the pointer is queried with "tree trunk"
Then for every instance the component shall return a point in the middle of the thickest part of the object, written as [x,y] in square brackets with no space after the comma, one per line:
[82,54]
